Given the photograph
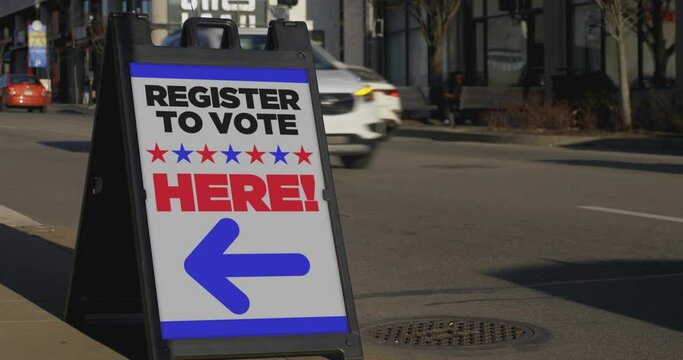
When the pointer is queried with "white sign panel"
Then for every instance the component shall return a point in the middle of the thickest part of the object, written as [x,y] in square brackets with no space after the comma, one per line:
[241,238]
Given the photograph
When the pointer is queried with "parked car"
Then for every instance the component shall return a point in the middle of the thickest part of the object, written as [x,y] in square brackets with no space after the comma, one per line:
[23,91]
[350,112]
[386,95]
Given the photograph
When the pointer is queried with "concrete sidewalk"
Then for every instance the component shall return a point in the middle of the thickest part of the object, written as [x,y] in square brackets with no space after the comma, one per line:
[35,265]
[33,278]
[671,145]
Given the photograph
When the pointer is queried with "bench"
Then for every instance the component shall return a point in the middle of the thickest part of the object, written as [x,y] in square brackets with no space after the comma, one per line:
[492,97]
[415,104]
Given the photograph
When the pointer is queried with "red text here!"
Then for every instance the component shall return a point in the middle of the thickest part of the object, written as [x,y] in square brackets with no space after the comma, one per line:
[235,193]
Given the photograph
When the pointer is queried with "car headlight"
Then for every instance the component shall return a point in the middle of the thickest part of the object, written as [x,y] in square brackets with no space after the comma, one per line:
[366,93]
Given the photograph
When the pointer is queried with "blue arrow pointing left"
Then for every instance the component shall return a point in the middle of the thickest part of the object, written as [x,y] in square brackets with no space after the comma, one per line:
[210,267]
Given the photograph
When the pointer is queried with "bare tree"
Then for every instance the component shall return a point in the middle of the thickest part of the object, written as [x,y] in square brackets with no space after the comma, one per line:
[433,18]
[653,18]
[619,16]
[96,34]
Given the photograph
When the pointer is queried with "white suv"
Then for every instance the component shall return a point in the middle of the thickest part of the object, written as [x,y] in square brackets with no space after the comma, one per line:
[350,114]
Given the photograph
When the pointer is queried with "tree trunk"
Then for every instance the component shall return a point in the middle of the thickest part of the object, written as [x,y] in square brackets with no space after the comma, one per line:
[624,85]
[436,56]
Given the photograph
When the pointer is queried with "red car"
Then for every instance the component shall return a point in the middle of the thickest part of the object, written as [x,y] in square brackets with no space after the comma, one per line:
[25,91]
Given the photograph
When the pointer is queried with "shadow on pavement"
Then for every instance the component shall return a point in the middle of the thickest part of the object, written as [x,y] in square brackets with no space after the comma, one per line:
[40,270]
[35,269]
[650,167]
[74,146]
[650,291]
[656,145]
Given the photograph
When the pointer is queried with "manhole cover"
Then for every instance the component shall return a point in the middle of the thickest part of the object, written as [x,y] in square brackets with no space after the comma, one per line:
[450,333]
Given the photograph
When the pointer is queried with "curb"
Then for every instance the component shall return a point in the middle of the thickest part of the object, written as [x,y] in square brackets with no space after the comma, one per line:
[672,145]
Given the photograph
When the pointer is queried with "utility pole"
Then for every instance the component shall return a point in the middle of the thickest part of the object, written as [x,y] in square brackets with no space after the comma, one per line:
[159,20]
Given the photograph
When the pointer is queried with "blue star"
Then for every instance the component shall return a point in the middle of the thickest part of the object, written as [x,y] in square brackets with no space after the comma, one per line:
[183,154]
[279,155]
[231,155]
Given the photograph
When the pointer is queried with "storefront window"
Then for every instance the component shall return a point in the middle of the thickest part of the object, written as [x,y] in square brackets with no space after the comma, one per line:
[478,9]
[650,55]
[395,35]
[500,7]
[418,71]
[506,51]
[480,65]
[406,50]
[588,36]
[508,42]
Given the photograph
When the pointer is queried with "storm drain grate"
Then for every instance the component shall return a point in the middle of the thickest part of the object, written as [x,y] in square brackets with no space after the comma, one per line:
[449,333]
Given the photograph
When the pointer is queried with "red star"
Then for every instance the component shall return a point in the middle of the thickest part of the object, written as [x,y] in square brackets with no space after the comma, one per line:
[303,155]
[255,155]
[206,154]
[157,154]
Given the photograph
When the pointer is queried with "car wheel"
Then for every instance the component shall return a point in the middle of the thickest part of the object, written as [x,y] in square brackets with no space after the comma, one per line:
[30,109]
[356,161]
[43,109]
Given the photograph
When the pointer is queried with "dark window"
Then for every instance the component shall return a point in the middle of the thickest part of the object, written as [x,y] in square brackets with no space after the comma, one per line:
[649,44]
[253,42]
[258,42]
[507,42]
[22,79]
[587,39]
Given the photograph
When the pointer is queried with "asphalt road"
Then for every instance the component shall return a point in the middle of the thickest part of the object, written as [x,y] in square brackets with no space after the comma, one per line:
[585,247]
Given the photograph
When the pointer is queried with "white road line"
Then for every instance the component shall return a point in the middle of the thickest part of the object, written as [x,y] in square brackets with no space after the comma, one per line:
[12,218]
[633,213]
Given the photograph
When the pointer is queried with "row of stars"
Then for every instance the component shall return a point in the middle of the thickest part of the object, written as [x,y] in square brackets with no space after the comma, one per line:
[231,154]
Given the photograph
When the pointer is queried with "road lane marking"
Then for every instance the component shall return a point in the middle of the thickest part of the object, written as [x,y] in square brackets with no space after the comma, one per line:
[633,213]
[15,219]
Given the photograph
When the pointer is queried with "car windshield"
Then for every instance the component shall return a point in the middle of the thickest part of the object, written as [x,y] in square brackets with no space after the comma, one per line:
[253,42]
[258,42]
[21,79]
[367,74]
[321,60]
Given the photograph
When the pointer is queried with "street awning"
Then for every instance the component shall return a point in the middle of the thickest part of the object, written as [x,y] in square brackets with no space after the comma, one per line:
[11,6]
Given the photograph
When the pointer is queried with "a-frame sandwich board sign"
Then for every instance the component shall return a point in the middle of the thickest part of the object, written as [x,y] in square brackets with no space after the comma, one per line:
[209,213]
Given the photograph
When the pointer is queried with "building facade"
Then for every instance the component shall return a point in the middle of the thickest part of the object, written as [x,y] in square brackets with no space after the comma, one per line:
[494,43]
[76,31]
[518,43]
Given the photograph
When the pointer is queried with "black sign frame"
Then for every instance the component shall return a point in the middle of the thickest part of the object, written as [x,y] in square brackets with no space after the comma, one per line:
[112,292]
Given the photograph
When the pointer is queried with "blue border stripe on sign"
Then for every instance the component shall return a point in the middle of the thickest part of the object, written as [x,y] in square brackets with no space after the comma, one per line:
[206,72]
[253,327]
